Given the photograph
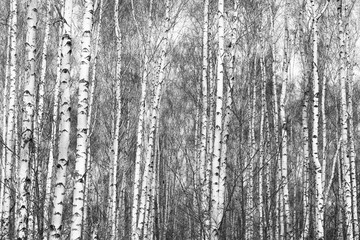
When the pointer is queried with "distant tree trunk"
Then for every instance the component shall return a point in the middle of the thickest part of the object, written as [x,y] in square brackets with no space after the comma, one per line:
[23,213]
[217,191]
[249,214]
[262,144]
[7,197]
[149,160]
[64,128]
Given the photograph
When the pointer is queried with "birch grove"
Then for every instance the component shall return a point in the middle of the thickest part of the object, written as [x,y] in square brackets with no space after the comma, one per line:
[179,119]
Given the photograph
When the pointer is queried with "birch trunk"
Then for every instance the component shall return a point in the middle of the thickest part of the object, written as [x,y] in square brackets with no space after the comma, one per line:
[217,191]
[50,163]
[210,146]
[228,114]
[284,201]
[346,168]
[140,127]
[262,144]
[82,125]
[90,119]
[23,213]
[319,199]
[115,150]
[204,116]
[276,130]
[351,137]
[4,116]
[64,128]
[7,197]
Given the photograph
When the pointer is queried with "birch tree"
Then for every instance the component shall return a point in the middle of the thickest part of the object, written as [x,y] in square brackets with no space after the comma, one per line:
[90,120]
[140,126]
[50,162]
[115,149]
[4,115]
[64,128]
[82,124]
[204,118]
[217,191]
[9,154]
[345,162]
[28,108]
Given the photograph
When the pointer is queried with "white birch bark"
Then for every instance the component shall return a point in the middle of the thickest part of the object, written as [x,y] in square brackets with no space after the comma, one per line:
[351,137]
[4,116]
[115,150]
[276,126]
[204,115]
[140,128]
[217,191]
[7,198]
[286,232]
[64,128]
[90,119]
[82,124]
[346,168]
[262,145]
[228,113]
[23,213]
[319,199]
[210,146]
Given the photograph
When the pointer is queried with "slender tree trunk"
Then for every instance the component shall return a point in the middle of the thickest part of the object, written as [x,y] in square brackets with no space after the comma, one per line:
[351,137]
[89,121]
[50,163]
[115,150]
[23,213]
[82,124]
[228,115]
[140,127]
[346,168]
[204,115]
[210,147]
[277,216]
[217,191]
[262,145]
[4,117]
[7,197]
[284,202]
[64,128]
